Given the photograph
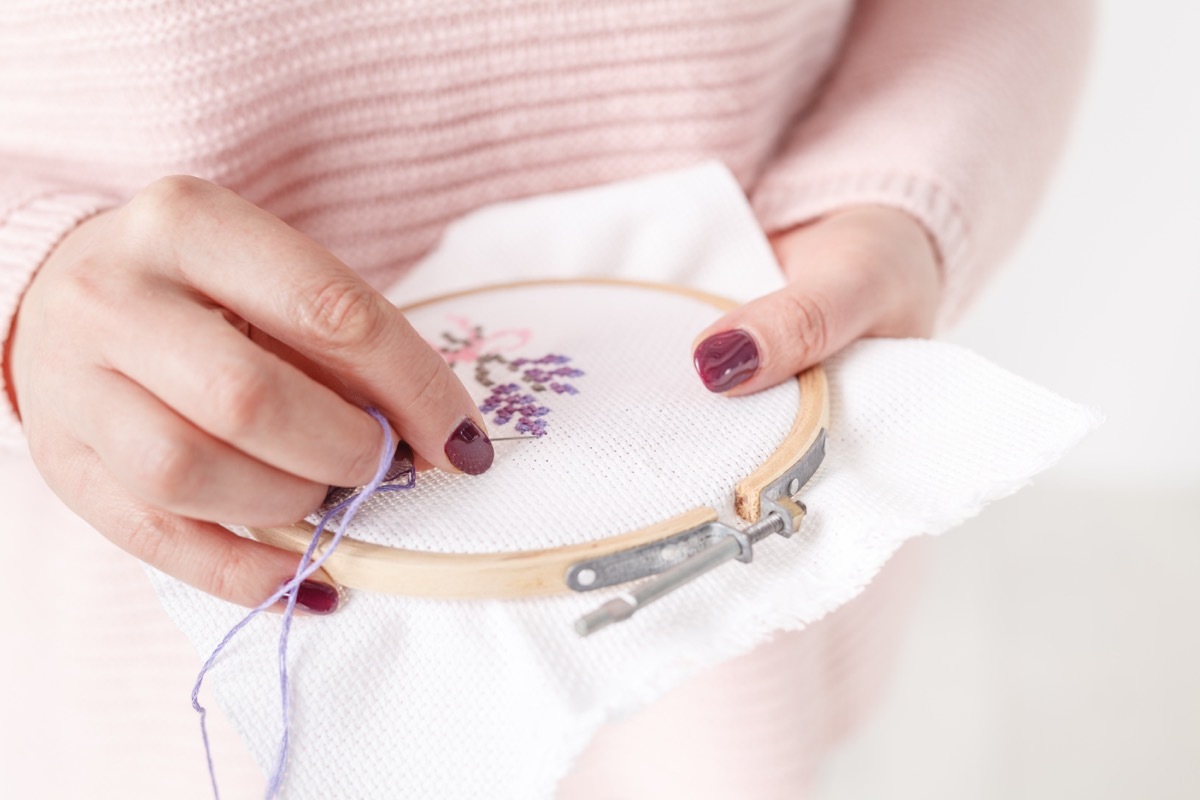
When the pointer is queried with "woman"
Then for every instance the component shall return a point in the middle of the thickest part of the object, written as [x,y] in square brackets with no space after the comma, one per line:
[172,341]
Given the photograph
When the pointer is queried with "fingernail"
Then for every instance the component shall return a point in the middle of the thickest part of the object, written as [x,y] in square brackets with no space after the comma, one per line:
[726,359]
[402,462]
[317,598]
[469,449]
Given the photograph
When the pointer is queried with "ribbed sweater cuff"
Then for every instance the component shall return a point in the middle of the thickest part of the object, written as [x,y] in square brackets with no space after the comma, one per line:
[788,202]
[27,236]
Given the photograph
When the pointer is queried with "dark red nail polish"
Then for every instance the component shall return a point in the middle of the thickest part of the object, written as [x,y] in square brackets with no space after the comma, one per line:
[469,449]
[402,462]
[317,598]
[726,359]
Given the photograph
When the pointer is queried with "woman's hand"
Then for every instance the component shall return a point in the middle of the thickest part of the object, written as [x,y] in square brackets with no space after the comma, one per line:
[188,358]
[866,271]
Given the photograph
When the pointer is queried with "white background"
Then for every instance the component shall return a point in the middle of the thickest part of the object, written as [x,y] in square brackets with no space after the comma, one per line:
[1056,650]
[1101,301]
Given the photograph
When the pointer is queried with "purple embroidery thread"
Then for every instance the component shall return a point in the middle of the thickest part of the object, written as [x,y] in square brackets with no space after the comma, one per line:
[304,570]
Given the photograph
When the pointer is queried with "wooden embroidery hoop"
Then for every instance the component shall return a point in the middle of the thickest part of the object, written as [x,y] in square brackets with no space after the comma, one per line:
[524,573]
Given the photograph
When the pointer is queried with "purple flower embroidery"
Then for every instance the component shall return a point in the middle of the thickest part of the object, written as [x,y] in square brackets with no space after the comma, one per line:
[513,399]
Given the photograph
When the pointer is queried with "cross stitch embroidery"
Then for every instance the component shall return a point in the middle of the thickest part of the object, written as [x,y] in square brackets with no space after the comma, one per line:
[510,398]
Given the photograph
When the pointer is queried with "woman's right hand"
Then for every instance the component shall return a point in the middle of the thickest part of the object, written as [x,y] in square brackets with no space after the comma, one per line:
[188,359]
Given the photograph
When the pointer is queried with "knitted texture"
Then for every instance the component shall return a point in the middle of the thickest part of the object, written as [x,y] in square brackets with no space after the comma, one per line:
[30,231]
[370,126]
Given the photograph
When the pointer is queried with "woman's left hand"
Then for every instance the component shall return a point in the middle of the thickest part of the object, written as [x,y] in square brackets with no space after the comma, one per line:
[864,271]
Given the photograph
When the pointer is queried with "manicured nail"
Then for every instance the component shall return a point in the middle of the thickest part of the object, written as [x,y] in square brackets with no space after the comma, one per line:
[726,359]
[469,449]
[317,598]
[402,462]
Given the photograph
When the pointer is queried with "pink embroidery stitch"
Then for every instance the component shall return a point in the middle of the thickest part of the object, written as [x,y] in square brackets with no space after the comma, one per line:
[475,344]
[510,399]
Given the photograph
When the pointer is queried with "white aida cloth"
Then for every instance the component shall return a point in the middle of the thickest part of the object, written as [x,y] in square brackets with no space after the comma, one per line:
[631,436]
[418,698]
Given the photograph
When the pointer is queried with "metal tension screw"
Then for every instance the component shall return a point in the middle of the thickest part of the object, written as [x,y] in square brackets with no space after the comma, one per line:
[737,544]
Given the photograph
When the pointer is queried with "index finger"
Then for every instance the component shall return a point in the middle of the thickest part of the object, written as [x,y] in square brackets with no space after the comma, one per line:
[284,283]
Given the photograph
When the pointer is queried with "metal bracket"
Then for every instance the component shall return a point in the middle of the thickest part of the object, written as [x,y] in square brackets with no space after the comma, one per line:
[735,544]
[684,557]
[779,513]
[794,478]
[640,562]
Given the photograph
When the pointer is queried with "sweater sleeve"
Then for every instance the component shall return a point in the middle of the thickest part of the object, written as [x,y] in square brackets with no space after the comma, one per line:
[950,110]
[34,215]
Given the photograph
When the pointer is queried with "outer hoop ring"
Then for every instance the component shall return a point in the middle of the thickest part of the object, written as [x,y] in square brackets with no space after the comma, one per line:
[525,573]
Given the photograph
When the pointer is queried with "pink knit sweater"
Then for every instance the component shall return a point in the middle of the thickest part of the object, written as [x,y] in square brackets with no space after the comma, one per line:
[372,125]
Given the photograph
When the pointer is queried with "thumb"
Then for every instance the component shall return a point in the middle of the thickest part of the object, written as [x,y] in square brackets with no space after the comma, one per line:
[777,336]
[869,271]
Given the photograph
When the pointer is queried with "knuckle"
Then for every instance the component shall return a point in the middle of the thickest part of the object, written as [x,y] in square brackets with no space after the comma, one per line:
[227,574]
[240,397]
[165,470]
[344,314]
[176,190]
[91,285]
[87,291]
[431,387]
[145,532]
[165,204]
[809,321]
